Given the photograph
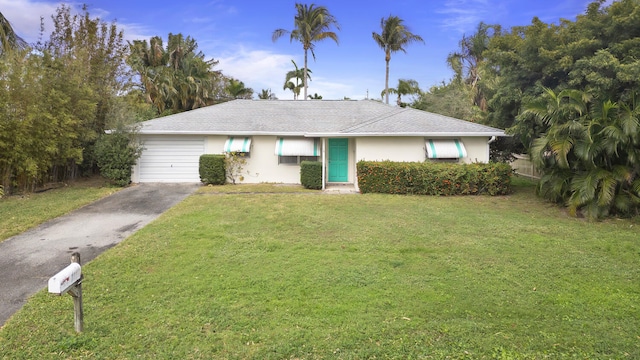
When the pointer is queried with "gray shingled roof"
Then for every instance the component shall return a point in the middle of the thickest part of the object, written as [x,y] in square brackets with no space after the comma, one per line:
[313,118]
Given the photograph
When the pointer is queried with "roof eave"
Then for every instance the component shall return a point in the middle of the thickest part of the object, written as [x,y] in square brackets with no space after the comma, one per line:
[408,134]
[224,133]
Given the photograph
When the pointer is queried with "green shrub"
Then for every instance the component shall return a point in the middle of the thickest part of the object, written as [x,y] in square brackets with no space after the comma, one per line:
[433,178]
[116,153]
[311,174]
[212,169]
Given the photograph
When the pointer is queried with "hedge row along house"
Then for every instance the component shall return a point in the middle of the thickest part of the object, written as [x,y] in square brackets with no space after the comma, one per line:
[276,135]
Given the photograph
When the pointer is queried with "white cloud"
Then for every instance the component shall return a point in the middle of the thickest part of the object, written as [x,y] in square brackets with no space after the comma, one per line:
[24,16]
[258,69]
[462,15]
[262,69]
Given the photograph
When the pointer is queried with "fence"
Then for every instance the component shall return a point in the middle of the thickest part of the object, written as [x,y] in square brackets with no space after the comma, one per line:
[523,166]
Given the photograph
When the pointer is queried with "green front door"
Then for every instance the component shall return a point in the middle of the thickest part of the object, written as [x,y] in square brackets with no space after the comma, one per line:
[338,160]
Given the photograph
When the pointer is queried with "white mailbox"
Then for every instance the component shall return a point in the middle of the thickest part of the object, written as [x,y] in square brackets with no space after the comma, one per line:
[65,279]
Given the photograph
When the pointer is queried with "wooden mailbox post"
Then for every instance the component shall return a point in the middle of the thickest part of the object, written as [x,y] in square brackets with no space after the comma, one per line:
[69,280]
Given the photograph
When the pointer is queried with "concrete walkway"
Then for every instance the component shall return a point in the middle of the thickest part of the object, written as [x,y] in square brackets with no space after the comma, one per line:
[28,260]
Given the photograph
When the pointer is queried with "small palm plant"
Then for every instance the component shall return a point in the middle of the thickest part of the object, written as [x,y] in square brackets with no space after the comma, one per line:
[589,154]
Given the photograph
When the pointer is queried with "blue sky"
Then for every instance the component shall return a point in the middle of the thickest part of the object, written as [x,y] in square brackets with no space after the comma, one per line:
[238,34]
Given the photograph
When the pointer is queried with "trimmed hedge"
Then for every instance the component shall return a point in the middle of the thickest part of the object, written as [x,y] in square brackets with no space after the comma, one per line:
[311,174]
[434,178]
[212,169]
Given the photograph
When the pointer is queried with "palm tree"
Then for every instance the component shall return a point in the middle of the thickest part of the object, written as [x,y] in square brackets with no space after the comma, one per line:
[311,24]
[266,94]
[315,96]
[297,74]
[176,77]
[468,62]
[395,37]
[405,87]
[237,90]
[9,40]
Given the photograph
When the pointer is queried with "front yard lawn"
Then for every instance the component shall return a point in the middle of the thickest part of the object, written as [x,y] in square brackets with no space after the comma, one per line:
[19,213]
[307,276]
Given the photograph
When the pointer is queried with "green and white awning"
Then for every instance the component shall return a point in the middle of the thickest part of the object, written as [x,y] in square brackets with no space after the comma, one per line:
[297,147]
[237,144]
[445,149]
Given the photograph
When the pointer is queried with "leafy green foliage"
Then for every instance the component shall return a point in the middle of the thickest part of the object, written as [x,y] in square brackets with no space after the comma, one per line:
[298,75]
[86,57]
[235,89]
[116,154]
[596,53]
[54,102]
[448,100]
[267,94]
[405,87]
[590,153]
[433,178]
[177,77]
[211,168]
[311,174]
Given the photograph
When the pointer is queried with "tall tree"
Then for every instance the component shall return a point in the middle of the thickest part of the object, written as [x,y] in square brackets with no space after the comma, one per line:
[87,56]
[311,24]
[9,40]
[395,36]
[177,77]
[469,62]
[405,87]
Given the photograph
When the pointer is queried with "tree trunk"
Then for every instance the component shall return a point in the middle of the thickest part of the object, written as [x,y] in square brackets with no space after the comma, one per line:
[305,74]
[386,82]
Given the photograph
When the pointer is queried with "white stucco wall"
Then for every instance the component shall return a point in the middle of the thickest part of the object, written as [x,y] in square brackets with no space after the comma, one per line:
[262,165]
[390,148]
[413,149]
[477,149]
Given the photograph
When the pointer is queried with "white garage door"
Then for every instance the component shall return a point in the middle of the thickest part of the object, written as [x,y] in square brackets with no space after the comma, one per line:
[171,159]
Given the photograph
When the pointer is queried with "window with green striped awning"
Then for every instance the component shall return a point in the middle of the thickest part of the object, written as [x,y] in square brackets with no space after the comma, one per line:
[445,149]
[297,147]
[237,144]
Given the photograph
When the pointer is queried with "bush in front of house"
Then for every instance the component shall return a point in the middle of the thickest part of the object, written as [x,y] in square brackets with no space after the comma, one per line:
[116,153]
[311,174]
[433,178]
[212,169]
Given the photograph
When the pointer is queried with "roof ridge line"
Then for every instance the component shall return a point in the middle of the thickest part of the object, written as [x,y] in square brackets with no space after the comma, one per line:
[374,120]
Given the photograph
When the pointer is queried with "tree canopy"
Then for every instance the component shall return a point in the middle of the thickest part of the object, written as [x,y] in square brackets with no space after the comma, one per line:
[568,93]
[177,77]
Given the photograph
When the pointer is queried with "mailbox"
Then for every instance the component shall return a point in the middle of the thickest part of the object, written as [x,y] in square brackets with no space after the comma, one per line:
[65,279]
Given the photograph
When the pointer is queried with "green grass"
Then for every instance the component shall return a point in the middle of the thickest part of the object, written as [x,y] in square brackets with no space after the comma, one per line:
[21,212]
[294,276]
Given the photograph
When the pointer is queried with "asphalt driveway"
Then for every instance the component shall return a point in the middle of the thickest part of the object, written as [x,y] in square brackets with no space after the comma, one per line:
[28,260]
